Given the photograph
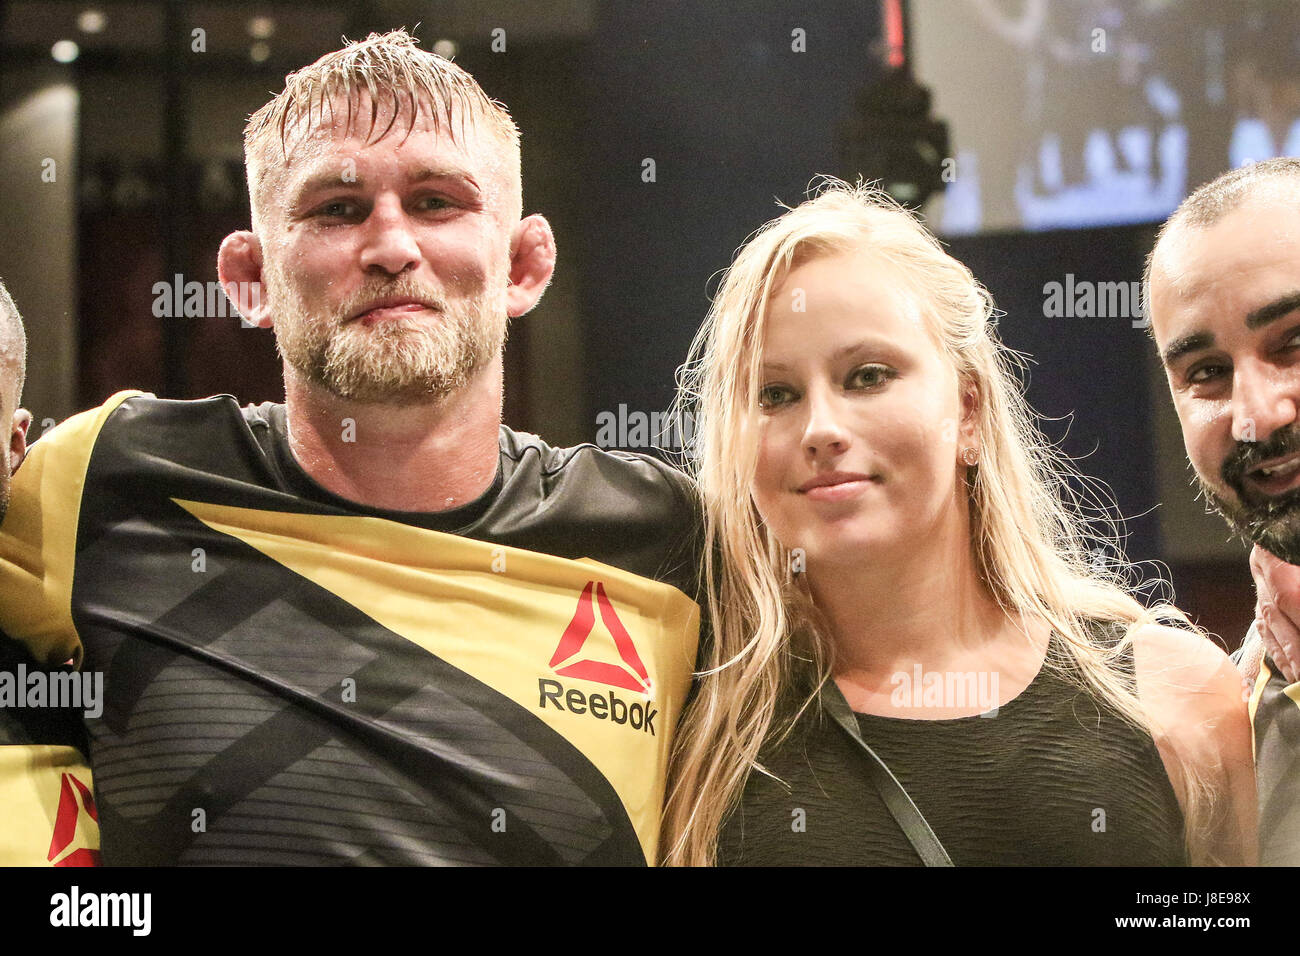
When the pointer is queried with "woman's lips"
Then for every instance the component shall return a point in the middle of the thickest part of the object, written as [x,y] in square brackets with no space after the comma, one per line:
[839,491]
[836,486]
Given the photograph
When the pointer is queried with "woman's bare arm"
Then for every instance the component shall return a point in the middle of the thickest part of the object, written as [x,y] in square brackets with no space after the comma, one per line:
[1193,692]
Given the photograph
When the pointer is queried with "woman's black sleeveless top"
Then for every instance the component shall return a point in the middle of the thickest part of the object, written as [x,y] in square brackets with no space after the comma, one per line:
[1053,778]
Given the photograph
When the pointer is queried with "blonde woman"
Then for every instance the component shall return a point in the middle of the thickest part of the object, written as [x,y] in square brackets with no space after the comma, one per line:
[918,657]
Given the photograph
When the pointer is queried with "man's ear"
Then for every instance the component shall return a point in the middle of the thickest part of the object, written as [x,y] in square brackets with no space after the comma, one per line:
[18,438]
[239,267]
[532,262]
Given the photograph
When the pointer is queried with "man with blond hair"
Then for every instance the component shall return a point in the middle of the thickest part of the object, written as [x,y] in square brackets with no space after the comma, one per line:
[370,625]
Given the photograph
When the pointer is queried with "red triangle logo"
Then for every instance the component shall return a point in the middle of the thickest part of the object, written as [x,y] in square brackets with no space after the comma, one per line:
[71,803]
[631,675]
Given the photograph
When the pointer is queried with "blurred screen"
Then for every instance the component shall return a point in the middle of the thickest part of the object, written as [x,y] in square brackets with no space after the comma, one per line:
[1076,113]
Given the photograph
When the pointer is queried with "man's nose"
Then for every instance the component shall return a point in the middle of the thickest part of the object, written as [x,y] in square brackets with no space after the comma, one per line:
[390,245]
[1263,400]
[824,431]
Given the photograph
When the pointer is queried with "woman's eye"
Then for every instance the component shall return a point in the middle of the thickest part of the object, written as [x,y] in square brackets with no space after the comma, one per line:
[869,376]
[769,396]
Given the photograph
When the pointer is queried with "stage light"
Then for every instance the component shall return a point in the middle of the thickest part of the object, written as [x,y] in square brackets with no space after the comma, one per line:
[91,21]
[65,51]
[261,28]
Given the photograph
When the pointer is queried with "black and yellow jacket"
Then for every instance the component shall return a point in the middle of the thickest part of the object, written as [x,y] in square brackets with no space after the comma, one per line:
[291,678]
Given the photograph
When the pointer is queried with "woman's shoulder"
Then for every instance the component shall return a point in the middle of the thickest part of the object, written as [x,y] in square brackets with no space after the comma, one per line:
[1172,659]
[1188,665]
[1188,686]
[1194,694]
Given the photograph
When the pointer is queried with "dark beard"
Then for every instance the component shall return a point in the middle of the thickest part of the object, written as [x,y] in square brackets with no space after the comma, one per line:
[1275,527]
[1272,523]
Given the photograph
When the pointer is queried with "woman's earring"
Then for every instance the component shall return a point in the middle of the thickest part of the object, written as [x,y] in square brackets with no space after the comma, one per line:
[971,456]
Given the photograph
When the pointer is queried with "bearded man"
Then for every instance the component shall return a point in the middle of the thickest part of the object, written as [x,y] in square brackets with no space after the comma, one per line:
[1224,304]
[371,624]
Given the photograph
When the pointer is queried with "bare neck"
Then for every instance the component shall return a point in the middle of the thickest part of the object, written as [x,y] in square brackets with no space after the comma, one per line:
[412,457]
[923,603]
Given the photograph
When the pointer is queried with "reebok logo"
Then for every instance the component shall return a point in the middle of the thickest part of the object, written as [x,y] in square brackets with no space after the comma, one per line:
[630,674]
[71,803]
[607,706]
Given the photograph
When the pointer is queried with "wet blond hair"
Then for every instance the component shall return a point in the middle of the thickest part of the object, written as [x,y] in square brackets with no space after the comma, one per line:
[384,73]
[1033,538]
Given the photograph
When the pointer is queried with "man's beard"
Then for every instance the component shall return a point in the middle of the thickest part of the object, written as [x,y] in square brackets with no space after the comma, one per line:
[1272,523]
[397,360]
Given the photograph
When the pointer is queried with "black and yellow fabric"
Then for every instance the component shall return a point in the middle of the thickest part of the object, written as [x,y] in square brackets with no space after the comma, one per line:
[1275,716]
[291,678]
[49,815]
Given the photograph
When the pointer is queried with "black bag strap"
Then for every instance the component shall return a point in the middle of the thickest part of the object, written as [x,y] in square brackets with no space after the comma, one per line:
[900,805]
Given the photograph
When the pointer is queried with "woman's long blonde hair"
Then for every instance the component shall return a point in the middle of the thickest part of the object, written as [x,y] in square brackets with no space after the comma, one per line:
[1032,536]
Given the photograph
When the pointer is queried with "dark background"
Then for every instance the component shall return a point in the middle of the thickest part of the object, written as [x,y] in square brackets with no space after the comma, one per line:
[733,118]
